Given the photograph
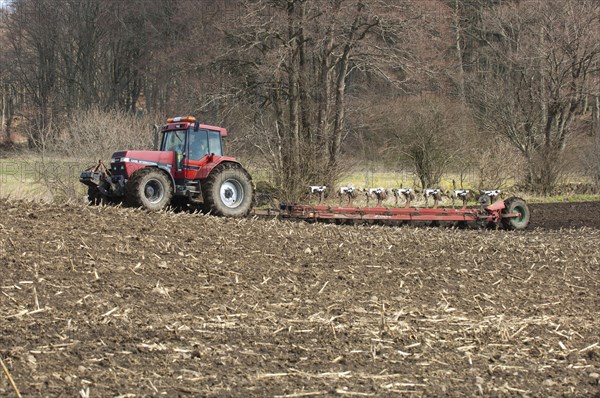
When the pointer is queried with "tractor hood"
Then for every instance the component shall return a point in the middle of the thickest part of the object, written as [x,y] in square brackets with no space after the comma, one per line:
[146,158]
[125,163]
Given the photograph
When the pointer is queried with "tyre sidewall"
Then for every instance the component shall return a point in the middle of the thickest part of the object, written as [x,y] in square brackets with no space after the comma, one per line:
[165,183]
[218,207]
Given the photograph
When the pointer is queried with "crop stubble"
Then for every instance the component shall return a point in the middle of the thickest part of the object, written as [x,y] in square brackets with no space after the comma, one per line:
[119,302]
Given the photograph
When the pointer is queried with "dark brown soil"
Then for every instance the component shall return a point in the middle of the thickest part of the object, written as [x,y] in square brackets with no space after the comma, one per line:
[120,302]
[565,215]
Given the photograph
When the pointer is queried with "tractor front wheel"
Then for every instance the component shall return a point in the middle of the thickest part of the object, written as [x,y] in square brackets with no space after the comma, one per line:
[149,188]
[228,191]
[515,205]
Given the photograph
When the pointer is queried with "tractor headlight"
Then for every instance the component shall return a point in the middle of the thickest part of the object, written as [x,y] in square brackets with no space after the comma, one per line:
[119,160]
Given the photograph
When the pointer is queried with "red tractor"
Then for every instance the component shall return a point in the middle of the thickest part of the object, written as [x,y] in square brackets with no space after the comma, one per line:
[189,169]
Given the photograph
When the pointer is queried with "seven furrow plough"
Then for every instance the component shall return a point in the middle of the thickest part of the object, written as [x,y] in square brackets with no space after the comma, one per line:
[511,214]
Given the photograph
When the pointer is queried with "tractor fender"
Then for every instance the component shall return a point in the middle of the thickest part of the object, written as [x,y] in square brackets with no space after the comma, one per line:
[168,172]
[223,161]
[213,163]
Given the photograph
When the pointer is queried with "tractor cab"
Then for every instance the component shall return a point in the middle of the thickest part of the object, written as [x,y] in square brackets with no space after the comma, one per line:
[195,145]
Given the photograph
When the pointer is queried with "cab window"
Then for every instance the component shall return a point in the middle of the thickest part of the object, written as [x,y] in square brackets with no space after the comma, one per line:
[174,141]
[198,144]
[214,143]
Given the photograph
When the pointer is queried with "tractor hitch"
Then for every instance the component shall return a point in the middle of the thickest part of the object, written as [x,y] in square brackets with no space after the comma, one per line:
[95,176]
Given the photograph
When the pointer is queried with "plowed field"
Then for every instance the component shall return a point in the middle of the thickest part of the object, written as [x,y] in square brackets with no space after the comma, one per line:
[107,302]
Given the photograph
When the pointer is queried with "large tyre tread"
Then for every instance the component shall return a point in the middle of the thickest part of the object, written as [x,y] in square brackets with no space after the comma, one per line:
[133,193]
[211,196]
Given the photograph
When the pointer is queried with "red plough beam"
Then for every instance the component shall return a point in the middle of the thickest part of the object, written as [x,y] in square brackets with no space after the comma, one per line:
[511,213]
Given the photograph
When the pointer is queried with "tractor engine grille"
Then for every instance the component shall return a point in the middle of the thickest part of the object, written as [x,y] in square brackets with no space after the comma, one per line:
[118,169]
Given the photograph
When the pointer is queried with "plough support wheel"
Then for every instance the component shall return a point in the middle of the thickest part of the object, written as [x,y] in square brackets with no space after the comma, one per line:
[515,205]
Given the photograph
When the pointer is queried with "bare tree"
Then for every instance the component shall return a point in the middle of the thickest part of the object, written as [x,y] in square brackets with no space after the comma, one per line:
[534,75]
[8,90]
[70,55]
[32,31]
[298,59]
[428,138]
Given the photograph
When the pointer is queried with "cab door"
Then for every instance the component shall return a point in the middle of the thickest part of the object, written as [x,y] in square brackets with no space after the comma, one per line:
[204,149]
[196,153]
[175,142]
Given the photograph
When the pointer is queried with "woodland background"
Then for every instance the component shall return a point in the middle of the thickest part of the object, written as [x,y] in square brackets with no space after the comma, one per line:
[505,91]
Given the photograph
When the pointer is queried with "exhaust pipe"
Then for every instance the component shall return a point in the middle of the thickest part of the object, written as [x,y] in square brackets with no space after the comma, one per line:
[155,146]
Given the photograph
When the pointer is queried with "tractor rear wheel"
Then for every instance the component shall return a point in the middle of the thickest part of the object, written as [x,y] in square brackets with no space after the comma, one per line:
[149,188]
[228,191]
[515,205]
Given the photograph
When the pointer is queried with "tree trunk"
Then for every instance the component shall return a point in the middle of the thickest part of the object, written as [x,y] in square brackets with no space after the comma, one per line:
[339,109]
[459,54]
[596,116]
[3,109]
[294,97]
